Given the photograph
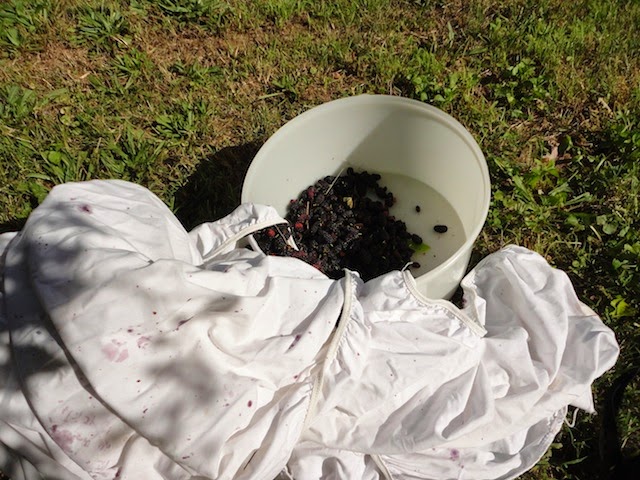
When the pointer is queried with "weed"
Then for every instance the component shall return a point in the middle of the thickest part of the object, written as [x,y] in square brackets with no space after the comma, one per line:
[132,156]
[183,122]
[20,19]
[280,11]
[16,104]
[196,73]
[519,87]
[62,167]
[286,85]
[103,28]
[210,13]
[129,68]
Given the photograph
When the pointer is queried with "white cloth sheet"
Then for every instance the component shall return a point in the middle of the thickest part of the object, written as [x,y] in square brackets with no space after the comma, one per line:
[132,349]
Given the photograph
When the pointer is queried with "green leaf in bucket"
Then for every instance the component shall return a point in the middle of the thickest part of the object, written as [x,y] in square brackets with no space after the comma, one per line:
[419,247]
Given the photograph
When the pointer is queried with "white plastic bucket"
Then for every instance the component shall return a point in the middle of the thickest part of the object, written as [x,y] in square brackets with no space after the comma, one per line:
[426,158]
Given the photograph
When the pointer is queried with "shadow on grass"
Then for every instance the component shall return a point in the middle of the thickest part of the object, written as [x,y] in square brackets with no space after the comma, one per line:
[13,225]
[214,189]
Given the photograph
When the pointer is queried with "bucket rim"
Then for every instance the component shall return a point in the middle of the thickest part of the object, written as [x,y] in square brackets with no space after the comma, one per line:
[381,100]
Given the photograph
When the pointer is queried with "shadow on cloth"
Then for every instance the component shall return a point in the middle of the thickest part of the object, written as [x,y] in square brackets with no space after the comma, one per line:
[21,315]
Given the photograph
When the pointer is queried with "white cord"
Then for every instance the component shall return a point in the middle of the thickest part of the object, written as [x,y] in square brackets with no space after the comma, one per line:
[573,419]
[407,265]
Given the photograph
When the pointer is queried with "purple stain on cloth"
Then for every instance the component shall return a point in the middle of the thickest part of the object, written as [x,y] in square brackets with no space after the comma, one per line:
[295,342]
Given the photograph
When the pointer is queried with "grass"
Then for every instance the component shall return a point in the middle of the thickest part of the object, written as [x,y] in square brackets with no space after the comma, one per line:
[178,95]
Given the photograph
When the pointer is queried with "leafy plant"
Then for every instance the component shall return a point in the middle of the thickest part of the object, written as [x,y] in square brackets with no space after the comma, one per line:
[19,19]
[286,84]
[133,156]
[16,103]
[197,73]
[210,13]
[103,28]
[183,122]
[61,166]
[520,87]
[129,67]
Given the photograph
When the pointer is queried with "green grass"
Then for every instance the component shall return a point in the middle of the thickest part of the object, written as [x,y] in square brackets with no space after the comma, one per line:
[178,95]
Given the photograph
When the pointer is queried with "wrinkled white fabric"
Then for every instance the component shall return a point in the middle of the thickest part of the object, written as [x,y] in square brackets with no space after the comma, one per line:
[130,348]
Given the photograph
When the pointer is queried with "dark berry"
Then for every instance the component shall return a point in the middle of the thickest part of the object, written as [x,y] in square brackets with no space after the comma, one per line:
[338,225]
[441,228]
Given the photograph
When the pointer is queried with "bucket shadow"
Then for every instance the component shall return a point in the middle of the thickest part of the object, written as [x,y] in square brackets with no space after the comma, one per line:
[214,189]
[12,225]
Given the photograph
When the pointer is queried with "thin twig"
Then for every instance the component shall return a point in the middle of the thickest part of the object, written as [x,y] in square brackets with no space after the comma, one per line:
[334,181]
[269,95]
[281,234]
[307,222]
[288,241]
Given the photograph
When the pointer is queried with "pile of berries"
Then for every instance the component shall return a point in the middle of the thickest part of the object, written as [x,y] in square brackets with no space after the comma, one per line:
[344,222]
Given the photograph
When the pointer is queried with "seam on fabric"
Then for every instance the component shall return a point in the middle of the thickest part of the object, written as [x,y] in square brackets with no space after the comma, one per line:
[333,347]
[243,233]
[458,314]
[344,318]
[377,459]
[313,400]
